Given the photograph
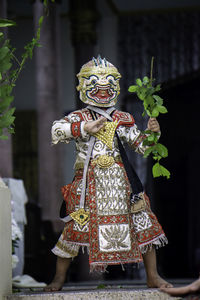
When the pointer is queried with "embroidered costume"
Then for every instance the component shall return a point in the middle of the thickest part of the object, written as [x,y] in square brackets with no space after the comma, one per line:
[99,214]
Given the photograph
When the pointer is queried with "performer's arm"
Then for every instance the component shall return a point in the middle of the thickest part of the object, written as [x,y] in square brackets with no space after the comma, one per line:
[134,137]
[94,126]
[67,129]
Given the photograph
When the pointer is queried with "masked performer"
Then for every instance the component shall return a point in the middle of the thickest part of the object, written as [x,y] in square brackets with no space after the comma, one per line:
[106,208]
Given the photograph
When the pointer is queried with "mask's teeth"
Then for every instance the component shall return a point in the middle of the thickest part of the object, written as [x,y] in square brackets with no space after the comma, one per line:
[106,87]
[94,91]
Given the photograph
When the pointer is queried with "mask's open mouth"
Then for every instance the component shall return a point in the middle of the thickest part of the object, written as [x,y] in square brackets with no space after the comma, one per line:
[100,93]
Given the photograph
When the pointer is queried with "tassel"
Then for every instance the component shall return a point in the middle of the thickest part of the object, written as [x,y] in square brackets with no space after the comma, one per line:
[157,243]
[123,269]
[96,268]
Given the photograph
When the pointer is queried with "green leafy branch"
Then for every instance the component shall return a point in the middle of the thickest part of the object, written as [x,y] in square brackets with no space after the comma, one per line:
[153,106]
[28,53]
[9,75]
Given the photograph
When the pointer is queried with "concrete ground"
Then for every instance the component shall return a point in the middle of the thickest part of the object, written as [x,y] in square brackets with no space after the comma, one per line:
[111,290]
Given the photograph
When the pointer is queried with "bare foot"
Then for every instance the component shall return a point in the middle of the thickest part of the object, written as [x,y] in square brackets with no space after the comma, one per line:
[179,291]
[55,285]
[158,282]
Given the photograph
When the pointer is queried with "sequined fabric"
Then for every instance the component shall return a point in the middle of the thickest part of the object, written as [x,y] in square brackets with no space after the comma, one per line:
[114,234]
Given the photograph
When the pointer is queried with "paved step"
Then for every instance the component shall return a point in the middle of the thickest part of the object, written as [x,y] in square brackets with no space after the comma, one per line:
[93,294]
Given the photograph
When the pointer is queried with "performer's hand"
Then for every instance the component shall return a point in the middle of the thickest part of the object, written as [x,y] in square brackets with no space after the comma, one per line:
[94,126]
[153,125]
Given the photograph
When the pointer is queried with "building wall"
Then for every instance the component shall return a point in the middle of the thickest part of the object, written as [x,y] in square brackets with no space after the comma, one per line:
[25,93]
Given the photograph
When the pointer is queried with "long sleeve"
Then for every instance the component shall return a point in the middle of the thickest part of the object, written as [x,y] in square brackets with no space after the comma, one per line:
[133,136]
[67,129]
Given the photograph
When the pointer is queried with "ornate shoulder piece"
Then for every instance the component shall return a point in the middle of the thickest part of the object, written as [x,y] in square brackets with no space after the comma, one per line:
[79,115]
[123,118]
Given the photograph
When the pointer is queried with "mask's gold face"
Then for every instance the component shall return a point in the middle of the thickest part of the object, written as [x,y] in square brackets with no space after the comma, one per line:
[99,83]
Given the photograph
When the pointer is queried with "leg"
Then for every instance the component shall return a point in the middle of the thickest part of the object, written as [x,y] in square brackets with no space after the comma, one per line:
[153,278]
[62,266]
[192,288]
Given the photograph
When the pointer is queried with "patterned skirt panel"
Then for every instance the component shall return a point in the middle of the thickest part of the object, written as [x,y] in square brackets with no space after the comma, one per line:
[113,234]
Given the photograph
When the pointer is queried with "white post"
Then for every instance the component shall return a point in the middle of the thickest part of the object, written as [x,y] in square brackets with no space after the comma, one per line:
[5,242]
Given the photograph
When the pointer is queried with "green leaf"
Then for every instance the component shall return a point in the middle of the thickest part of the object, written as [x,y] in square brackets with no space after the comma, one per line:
[4,51]
[148,151]
[147,131]
[149,100]
[5,66]
[157,157]
[146,105]
[139,82]
[147,143]
[148,113]
[158,99]
[132,88]
[7,118]
[6,23]
[162,109]
[157,88]
[4,104]
[141,93]
[162,150]
[145,80]
[150,138]
[45,3]
[5,90]
[11,129]
[165,172]
[156,136]
[150,90]
[41,19]
[155,112]
[158,170]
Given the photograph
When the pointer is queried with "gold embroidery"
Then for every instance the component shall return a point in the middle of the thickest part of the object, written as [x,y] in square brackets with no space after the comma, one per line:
[80,165]
[106,134]
[105,161]
[80,216]
[115,237]
[111,190]
[62,246]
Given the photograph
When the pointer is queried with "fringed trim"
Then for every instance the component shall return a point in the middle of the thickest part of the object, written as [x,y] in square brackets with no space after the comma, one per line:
[83,249]
[158,242]
[59,252]
[66,249]
[98,268]
[76,243]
